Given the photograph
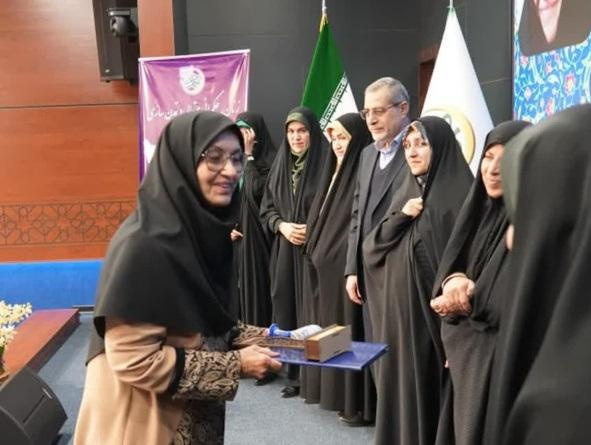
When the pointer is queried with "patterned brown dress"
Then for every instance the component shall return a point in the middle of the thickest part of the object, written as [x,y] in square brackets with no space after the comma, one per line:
[127,394]
[210,377]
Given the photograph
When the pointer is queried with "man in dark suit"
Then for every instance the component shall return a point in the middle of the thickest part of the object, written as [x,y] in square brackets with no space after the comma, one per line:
[382,170]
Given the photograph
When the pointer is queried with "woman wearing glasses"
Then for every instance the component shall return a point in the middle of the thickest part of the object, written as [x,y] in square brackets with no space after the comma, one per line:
[291,187]
[402,254]
[160,363]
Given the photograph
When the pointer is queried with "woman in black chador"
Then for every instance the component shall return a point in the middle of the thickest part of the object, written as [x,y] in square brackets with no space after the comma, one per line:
[288,196]
[542,364]
[325,297]
[471,276]
[251,241]
[403,253]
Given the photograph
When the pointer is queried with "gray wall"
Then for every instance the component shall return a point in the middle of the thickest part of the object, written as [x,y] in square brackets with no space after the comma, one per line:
[374,41]
[487,29]
[375,38]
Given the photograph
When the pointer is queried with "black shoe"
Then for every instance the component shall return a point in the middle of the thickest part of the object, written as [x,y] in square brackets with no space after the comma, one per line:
[290,391]
[267,379]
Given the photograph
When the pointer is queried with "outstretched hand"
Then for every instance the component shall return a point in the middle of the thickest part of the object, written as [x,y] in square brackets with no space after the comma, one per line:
[256,361]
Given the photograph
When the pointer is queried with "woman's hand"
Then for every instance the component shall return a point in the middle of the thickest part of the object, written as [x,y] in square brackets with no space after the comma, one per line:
[352,288]
[294,233]
[455,299]
[235,235]
[413,207]
[256,361]
[249,140]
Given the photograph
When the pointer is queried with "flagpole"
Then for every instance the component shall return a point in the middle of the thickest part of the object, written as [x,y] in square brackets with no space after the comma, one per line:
[324,19]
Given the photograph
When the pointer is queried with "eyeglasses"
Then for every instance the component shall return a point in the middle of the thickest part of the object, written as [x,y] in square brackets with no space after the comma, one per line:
[378,112]
[216,159]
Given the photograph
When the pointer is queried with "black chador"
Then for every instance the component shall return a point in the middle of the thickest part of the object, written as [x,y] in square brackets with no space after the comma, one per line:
[476,249]
[252,251]
[288,196]
[325,298]
[402,258]
[542,364]
[172,239]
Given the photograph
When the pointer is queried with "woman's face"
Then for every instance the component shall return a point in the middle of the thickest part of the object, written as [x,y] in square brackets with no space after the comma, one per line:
[417,151]
[490,169]
[340,141]
[549,13]
[298,137]
[219,169]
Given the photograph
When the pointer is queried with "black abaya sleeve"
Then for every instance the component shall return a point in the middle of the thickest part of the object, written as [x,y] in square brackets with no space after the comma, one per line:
[352,244]
[270,217]
[257,180]
[385,237]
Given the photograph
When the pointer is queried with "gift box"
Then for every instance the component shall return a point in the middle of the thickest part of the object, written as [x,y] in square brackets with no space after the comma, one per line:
[327,343]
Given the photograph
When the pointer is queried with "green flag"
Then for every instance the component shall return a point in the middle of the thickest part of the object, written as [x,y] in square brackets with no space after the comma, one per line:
[327,91]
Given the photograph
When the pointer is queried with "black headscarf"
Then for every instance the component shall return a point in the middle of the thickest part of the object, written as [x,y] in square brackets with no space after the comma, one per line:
[334,205]
[264,150]
[170,261]
[281,203]
[400,260]
[475,248]
[325,299]
[574,24]
[252,250]
[444,192]
[448,180]
[294,208]
[439,192]
[482,221]
[543,390]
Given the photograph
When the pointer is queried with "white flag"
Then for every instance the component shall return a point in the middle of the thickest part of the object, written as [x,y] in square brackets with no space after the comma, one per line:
[455,95]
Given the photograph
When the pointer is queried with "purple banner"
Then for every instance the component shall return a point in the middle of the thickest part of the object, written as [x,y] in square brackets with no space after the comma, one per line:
[170,86]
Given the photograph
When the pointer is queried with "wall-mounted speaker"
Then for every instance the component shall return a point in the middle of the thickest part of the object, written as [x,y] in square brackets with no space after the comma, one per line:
[30,412]
[117,39]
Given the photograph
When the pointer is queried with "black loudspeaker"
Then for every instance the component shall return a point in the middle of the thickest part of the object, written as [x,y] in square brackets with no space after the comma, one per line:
[30,413]
[117,39]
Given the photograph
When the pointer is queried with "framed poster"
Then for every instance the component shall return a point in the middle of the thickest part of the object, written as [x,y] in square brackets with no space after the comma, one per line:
[551,56]
[170,86]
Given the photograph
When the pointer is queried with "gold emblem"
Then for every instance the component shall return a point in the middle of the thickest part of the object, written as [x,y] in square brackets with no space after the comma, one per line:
[461,127]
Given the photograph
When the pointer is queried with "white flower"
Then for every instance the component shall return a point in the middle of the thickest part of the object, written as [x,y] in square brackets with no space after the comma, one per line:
[10,316]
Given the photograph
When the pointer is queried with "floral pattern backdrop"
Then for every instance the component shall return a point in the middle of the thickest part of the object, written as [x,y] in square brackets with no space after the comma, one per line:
[546,83]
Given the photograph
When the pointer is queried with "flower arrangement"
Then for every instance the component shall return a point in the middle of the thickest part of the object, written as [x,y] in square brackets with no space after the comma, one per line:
[10,316]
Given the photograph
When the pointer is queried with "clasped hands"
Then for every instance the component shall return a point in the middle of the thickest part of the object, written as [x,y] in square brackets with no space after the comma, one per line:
[455,298]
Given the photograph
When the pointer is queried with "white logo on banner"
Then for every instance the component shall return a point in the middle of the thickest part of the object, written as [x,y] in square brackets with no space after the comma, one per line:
[192,79]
